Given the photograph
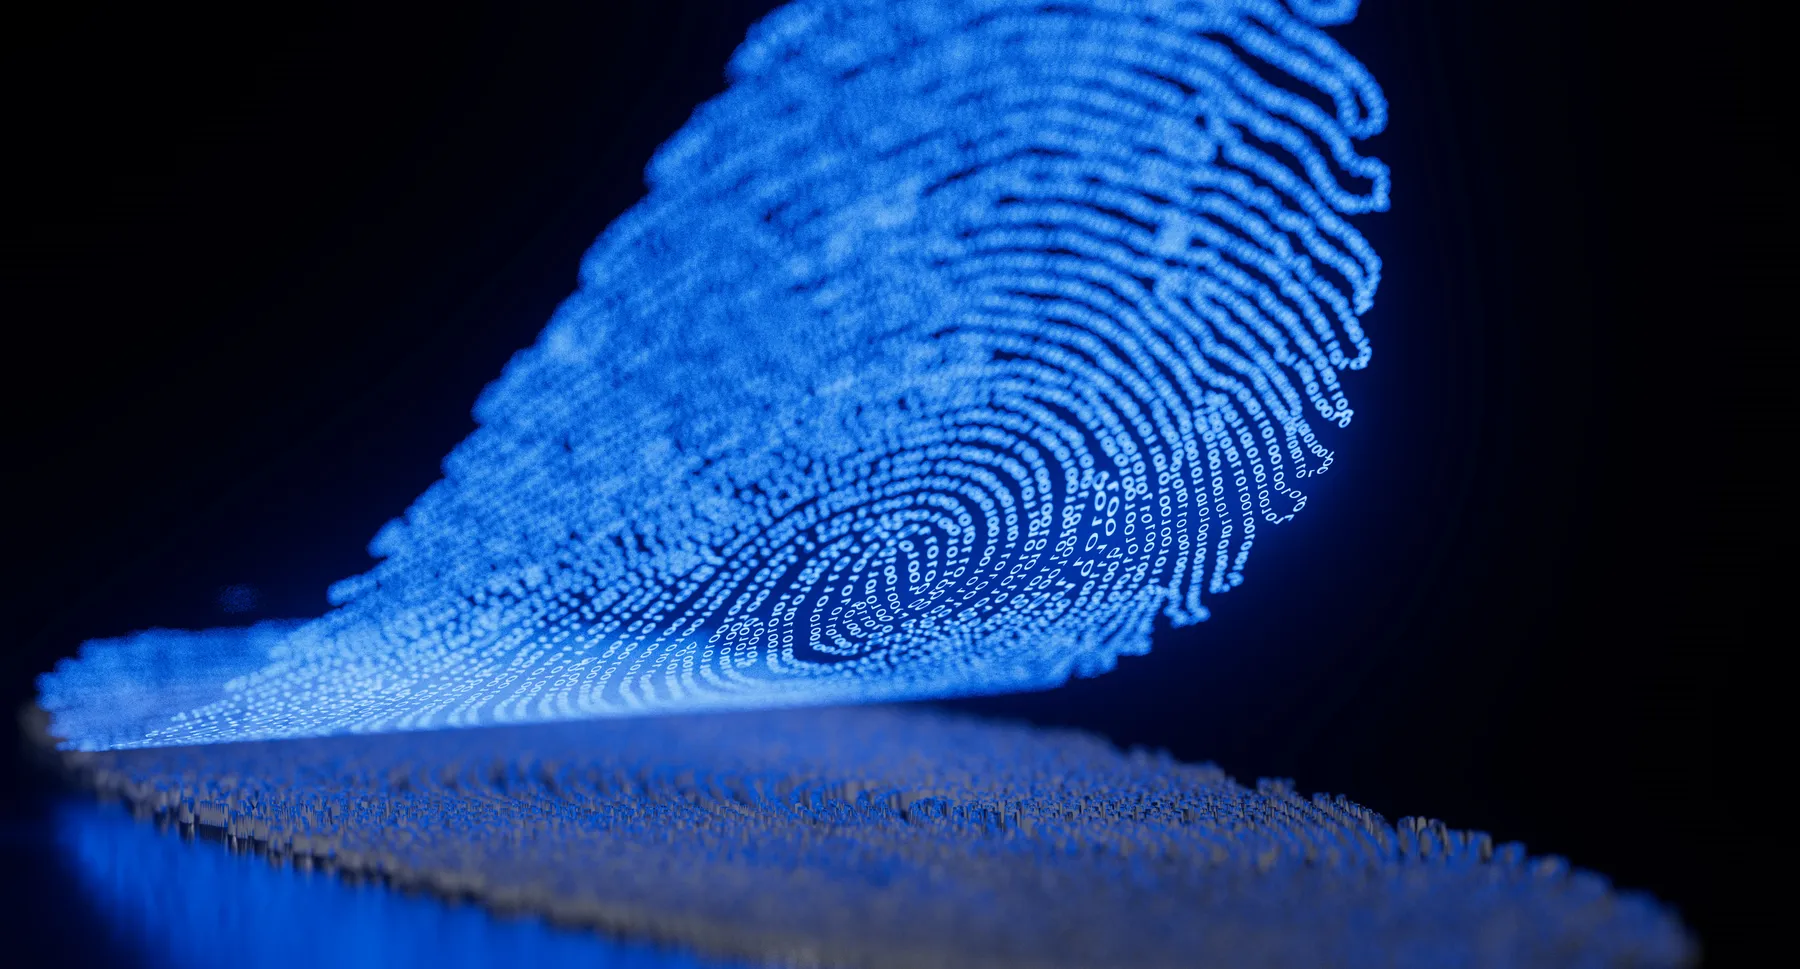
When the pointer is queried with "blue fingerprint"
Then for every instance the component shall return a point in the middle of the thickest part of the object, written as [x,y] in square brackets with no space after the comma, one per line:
[952,346]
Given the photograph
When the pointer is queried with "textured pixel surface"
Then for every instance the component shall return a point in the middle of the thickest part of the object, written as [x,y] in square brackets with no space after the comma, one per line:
[953,345]
[182,905]
[881,837]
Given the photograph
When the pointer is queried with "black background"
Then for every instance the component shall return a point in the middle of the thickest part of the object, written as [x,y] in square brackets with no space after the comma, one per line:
[257,271]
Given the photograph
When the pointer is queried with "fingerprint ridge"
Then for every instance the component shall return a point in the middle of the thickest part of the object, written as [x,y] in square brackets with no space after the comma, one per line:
[953,345]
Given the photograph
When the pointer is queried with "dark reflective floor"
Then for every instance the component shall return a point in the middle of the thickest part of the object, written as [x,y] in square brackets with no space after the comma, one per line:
[114,891]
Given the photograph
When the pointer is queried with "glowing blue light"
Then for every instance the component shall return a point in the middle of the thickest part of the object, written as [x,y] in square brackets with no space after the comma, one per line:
[859,836]
[953,344]
[202,907]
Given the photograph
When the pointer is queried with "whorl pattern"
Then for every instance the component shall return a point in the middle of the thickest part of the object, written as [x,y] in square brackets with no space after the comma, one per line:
[951,345]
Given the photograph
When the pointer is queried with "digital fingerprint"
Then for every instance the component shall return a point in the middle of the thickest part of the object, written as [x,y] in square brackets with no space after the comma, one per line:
[876,837]
[952,346]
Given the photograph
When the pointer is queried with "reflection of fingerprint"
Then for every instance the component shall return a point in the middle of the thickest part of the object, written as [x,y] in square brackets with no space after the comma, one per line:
[198,907]
[876,837]
[952,345]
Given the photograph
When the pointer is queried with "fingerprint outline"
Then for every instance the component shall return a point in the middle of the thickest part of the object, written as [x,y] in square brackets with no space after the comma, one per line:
[954,344]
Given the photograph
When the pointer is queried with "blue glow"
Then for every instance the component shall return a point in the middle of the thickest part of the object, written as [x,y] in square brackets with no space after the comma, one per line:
[861,836]
[239,598]
[199,906]
[952,345]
